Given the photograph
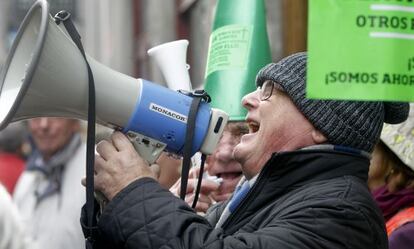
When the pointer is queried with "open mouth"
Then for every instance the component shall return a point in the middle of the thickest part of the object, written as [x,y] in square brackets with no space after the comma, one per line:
[253,126]
[229,175]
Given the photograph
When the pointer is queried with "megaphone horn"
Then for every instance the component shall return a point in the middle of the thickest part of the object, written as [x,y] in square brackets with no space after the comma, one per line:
[45,75]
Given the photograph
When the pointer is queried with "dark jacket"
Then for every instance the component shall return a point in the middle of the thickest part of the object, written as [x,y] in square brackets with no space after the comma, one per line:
[301,199]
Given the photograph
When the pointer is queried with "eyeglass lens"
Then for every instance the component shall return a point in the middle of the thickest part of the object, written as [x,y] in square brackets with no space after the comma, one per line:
[267,90]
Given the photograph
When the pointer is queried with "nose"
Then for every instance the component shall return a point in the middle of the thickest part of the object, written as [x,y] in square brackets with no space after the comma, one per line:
[43,123]
[224,151]
[251,100]
[220,160]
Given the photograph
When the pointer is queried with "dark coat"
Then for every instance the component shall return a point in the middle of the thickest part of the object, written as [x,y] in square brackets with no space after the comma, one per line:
[301,199]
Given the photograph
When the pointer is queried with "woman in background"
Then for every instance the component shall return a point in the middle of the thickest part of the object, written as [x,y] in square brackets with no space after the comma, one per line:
[391,180]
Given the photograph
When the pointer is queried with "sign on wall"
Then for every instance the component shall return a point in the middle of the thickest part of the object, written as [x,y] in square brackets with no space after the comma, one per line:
[361,50]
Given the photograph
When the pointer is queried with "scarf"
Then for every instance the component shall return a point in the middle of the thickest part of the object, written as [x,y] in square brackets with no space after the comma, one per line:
[391,203]
[53,168]
[242,188]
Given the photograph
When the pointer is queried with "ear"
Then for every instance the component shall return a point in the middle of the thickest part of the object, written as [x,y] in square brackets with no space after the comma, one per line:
[318,137]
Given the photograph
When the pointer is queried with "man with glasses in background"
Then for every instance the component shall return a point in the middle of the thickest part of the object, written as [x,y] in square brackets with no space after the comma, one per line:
[304,162]
[222,171]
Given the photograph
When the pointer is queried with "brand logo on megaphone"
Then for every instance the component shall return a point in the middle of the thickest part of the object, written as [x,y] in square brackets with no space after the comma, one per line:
[167,112]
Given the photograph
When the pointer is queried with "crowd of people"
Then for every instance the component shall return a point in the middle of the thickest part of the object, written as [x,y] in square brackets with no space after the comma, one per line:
[293,173]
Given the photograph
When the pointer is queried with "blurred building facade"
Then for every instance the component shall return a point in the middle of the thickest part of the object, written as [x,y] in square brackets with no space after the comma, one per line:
[119,33]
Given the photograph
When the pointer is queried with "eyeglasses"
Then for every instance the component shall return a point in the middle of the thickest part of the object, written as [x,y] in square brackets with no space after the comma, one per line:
[266,90]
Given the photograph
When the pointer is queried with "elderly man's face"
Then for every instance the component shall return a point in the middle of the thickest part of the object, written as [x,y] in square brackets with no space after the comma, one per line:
[275,124]
[222,163]
[52,134]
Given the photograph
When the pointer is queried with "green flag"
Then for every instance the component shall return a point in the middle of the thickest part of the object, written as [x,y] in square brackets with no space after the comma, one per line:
[361,50]
[238,49]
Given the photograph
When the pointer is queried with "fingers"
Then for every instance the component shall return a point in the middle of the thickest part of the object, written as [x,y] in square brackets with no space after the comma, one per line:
[99,163]
[204,199]
[100,173]
[117,164]
[208,186]
[194,172]
[190,186]
[220,197]
[204,202]
[121,142]
[105,149]
[202,207]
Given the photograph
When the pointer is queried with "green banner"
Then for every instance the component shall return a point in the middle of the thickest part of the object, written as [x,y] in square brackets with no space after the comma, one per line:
[229,48]
[239,48]
[361,50]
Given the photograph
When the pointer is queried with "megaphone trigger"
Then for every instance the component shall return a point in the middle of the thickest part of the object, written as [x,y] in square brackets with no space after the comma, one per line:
[148,148]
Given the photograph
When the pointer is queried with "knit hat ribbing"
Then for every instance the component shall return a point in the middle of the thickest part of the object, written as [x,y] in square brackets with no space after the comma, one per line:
[355,124]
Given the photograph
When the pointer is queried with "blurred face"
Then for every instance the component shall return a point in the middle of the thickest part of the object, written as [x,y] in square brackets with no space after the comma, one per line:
[378,168]
[275,124]
[52,134]
[222,164]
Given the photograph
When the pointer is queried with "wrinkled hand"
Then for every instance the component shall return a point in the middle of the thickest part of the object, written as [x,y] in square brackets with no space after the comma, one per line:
[207,187]
[117,164]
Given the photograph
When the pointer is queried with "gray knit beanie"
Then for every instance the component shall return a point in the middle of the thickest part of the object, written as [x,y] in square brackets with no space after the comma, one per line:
[355,124]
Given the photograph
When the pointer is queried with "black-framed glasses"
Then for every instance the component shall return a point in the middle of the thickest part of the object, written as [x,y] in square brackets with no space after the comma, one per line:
[266,90]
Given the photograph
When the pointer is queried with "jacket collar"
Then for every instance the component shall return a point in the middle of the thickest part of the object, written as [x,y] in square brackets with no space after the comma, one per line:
[293,169]
[286,171]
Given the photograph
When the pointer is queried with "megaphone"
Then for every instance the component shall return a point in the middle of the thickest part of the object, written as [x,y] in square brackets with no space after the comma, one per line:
[170,58]
[45,75]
